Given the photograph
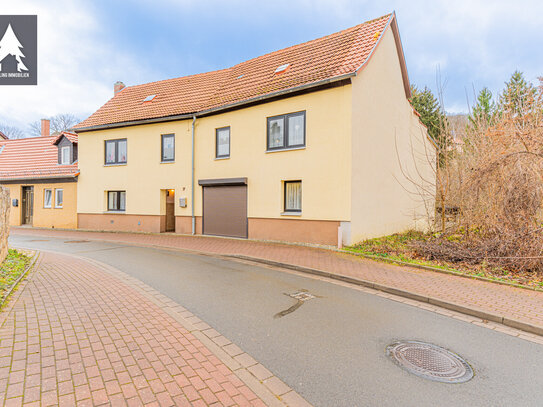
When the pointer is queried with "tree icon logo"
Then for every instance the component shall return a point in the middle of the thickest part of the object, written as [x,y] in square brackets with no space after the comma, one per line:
[18,50]
[11,46]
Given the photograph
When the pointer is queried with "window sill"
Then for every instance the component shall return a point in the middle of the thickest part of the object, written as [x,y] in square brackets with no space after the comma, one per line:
[168,162]
[115,212]
[114,165]
[58,207]
[291,213]
[222,158]
[285,149]
[47,207]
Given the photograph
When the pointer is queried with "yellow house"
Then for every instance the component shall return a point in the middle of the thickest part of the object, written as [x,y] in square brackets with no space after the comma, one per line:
[311,143]
[41,175]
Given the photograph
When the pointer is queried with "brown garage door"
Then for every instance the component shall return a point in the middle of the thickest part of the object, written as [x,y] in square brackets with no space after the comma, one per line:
[225,210]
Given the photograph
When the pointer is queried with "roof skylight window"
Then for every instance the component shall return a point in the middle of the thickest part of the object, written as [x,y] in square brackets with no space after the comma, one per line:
[149,98]
[239,77]
[282,68]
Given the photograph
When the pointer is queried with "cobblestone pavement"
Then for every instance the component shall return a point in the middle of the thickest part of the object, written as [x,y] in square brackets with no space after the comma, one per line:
[508,302]
[76,334]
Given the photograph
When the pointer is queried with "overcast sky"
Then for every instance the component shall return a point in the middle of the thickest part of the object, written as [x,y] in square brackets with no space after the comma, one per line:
[85,46]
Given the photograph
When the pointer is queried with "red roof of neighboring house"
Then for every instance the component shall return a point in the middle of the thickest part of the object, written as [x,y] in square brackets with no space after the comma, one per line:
[70,136]
[327,58]
[31,158]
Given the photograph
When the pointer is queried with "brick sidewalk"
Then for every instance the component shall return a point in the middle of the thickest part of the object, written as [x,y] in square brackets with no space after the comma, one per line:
[508,302]
[75,334]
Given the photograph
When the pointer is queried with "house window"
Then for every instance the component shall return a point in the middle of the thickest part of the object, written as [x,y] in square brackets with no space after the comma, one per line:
[47,198]
[65,155]
[116,151]
[59,198]
[222,142]
[116,201]
[168,147]
[293,196]
[286,131]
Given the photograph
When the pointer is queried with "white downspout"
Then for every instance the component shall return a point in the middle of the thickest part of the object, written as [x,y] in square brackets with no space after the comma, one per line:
[192,187]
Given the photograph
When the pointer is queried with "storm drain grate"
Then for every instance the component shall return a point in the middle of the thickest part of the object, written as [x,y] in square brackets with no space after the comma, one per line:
[430,361]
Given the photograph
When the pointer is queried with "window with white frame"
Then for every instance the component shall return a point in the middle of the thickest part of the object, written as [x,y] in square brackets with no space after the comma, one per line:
[47,198]
[59,198]
[222,140]
[65,155]
[293,196]
[116,201]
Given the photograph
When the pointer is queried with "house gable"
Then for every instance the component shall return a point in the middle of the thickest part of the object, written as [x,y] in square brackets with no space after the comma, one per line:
[386,138]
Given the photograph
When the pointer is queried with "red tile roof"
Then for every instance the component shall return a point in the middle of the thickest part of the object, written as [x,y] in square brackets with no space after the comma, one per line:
[70,136]
[32,158]
[326,58]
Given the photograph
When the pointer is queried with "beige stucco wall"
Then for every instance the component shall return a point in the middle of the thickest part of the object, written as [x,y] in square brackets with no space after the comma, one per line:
[389,146]
[65,217]
[323,166]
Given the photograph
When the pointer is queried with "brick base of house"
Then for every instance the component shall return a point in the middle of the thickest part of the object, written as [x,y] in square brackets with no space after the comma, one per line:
[121,222]
[287,230]
[294,230]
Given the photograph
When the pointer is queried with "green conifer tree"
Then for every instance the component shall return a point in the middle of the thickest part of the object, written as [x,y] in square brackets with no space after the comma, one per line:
[432,115]
[516,94]
[483,113]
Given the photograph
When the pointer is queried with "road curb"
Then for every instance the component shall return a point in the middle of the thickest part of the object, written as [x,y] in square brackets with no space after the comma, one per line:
[439,270]
[328,248]
[18,288]
[13,287]
[475,312]
[511,322]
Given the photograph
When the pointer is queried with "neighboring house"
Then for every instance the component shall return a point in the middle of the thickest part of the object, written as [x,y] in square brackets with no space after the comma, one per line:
[41,174]
[302,144]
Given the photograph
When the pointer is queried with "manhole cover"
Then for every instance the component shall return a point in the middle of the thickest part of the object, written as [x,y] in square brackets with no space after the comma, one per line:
[430,361]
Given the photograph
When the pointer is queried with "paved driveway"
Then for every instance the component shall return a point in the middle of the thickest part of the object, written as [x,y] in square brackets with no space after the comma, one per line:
[78,335]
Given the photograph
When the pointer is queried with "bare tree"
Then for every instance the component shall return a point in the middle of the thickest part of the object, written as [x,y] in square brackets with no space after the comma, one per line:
[35,129]
[63,122]
[12,132]
[59,123]
[496,186]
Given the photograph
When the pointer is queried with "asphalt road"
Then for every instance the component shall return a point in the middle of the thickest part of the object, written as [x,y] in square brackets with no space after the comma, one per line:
[331,349]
